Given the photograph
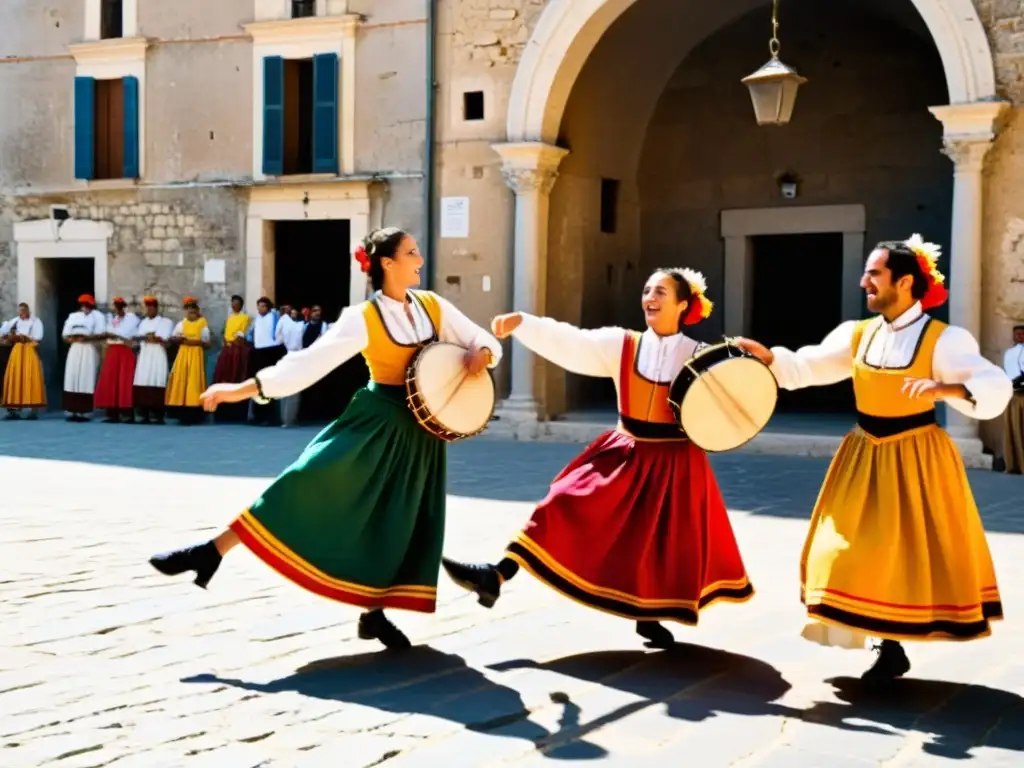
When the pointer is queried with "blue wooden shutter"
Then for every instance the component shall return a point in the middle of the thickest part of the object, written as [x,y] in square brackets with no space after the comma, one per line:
[131,127]
[325,113]
[85,127]
[273,116]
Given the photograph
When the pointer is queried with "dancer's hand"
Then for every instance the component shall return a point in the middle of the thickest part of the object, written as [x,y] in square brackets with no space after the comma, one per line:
[227,393]
[756,348]
[503,325]
[477,359]
[931,391]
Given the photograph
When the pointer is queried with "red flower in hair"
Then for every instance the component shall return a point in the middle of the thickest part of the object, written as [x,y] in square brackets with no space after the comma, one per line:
[363,258]
[928,260]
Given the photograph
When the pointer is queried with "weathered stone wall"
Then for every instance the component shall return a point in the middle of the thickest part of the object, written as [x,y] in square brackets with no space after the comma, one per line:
[161,240]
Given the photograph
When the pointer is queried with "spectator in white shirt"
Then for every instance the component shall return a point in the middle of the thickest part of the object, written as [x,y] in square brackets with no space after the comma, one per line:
[1013,424]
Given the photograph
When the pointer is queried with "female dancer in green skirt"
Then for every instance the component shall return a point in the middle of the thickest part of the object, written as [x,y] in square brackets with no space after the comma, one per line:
[359,517]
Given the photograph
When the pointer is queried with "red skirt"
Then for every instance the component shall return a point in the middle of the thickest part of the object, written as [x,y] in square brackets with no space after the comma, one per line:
[232,364]
[114,388]
[637,529]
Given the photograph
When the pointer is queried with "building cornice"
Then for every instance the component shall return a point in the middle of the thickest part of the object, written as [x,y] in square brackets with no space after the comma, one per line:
[309,28]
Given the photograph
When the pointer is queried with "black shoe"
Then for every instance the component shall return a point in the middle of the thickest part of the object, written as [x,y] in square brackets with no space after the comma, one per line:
[32,417]
[655,634]
[892,662]
[12,416]
[374,625]
[480,579]
[204,559]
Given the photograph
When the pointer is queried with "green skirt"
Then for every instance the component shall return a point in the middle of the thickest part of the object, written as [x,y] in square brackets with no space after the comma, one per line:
[359,517]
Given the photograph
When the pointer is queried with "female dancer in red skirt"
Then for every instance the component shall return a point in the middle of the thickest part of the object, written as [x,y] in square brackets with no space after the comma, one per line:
[635,526]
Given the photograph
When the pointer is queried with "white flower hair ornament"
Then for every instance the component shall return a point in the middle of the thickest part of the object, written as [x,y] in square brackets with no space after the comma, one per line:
[700,305]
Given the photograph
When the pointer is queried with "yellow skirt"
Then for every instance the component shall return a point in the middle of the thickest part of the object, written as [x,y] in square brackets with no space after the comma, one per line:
[188,378]
[23,381]
[896,548]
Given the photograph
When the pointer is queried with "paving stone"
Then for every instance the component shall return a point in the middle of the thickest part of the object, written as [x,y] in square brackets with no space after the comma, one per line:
[103,661]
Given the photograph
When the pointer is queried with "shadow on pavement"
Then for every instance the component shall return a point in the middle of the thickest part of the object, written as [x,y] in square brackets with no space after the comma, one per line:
[420,681]
[693,682]
[958,717]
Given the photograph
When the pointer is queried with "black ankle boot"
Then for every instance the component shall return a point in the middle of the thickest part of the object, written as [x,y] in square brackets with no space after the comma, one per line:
[655,634]
[480,579]
[204,559]
[892,662]
[374,625]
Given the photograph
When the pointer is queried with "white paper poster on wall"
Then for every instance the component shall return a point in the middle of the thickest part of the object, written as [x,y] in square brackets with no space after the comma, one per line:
[214,271]
[454,217]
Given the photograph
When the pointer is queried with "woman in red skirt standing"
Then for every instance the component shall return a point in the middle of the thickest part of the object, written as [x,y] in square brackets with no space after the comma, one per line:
[636,525]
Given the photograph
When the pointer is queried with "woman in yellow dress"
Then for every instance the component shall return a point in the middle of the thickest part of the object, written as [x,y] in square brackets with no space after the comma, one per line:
[23,387]
[896,549]
[188,376]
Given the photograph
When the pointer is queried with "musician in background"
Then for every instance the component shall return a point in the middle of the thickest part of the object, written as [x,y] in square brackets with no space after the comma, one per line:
[636,525]
[117,373]
[896,548]
[83,330]
[1013,424]
[149,388]
[359,517]
[266,351]
[23,387]
[233,361]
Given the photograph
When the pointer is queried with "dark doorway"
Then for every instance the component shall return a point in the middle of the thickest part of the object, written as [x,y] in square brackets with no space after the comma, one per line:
[798,294]
[312,263]
[59,283]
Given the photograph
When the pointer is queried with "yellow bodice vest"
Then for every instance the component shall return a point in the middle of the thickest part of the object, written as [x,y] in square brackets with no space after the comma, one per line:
[644,410]
[878,391]
[235,324]
[385,357]
[193,329]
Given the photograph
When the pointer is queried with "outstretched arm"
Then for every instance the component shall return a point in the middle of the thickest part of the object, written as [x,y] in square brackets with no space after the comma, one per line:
[586,352]
[958,360]
[815,365]
[299,370]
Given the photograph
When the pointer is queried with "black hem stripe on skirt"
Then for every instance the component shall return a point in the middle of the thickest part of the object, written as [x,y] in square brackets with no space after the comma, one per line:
[676,613]
[953,629]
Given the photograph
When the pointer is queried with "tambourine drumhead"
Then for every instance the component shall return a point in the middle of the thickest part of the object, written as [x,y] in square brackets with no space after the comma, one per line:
[728,402]
[456,401]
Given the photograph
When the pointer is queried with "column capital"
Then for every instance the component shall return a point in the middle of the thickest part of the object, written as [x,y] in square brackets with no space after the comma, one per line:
[530,166]
[966,154]
[977,121]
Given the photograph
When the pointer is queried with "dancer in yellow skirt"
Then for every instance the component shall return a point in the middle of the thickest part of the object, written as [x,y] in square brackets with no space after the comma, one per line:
[188,376]
[23,387]
[896,548]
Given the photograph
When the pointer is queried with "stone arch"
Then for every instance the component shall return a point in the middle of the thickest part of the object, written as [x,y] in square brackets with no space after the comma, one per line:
[568,31]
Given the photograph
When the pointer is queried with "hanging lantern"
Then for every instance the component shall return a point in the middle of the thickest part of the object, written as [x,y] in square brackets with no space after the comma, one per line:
[773,87]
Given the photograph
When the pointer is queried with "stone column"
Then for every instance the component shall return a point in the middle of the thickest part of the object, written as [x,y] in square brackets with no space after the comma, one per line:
[530,169]
[968,132]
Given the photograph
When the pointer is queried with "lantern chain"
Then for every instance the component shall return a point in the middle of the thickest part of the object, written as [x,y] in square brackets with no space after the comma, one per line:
[773,45]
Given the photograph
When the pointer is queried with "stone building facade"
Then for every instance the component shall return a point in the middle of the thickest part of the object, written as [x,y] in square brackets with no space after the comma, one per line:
[576,145]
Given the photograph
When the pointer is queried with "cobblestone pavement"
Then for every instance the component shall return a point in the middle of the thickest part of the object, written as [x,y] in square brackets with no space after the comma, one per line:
[104,662]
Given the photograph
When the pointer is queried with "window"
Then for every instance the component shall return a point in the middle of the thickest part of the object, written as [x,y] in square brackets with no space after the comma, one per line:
[303,8]
[473,105]
[111,19]
[300,115]
[106,128]
[609,205]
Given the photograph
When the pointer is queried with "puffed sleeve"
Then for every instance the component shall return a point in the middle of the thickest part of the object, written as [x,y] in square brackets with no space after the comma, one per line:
[68,325]
[586,352]
[36,330]
[958,360]
[816,365]
[204,333]
[179,329]
[458,328]
[299,370]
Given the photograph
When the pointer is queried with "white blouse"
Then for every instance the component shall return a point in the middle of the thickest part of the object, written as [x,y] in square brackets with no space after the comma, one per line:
[957,360]
[82,324]
[33,328]
[598,352]
[126,327]
[349,336]
[1013,361]
[161,326]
